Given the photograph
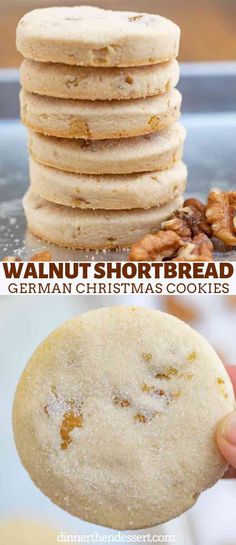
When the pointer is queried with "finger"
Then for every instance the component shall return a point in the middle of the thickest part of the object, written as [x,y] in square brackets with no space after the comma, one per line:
[232,373]
[226,438]
[230,474]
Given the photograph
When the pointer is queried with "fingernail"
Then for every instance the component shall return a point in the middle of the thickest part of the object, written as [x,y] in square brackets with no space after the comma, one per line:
[228,428]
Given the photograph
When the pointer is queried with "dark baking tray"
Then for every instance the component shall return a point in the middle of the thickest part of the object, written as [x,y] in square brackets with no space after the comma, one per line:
[209,114]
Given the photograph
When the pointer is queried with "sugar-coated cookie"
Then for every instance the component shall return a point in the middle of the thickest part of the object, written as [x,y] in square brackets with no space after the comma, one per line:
[108,192]
[86,83]
[115,416]
[155,151]
[88,229]
[21,532]
[90,36]
[100,119]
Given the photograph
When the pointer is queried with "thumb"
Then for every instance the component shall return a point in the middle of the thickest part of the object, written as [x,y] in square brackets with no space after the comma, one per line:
[226,438]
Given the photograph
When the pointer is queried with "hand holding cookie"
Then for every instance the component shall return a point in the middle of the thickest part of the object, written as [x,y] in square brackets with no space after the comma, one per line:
[226,435]
[115,417]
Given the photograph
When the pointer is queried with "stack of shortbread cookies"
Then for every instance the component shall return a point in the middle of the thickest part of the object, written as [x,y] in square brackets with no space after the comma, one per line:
[100,101]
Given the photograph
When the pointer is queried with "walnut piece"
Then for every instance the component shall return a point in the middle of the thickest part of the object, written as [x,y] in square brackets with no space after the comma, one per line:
[189,220]
[198,210]
[41,256]
[10,258]
[178,224]
[161,245]
[153,391]
[199,249]
[141,418]
[135,18]
[69,423]
[154,122]
[79,127]
[121,401]
[170,372]
[147,356]
[192,356]
[221,215]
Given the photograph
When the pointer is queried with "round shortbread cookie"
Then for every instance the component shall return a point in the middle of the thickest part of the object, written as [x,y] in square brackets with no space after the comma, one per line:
[100,119]
[92,230]
[115,416]
[18,532]
[90,36]
[76,82]
[108,192]
[155,151]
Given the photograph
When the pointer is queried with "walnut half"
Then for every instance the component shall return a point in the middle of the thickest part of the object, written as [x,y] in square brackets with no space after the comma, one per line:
[161,245]
[221,215]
